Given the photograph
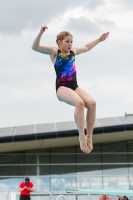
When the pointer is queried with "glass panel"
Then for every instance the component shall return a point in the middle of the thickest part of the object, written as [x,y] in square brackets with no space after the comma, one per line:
[65,155]
[10,184]
[68,158]
[64,169]
[89,176]
[44,170]
[44,159]
[116,182]
[114,158]
[131,182]
[42,183]
[89,170]
[130,146]
[89,158]
[114,147]
[130,169]
[61,182]
[43,151]
[70,149]
[84,181]
[30,170]
[11,170]
[130,160]
[18,170]
[30,159]
[11,159]
[115,169]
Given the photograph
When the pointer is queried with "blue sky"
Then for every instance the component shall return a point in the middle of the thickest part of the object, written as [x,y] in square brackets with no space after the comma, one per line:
[27,78]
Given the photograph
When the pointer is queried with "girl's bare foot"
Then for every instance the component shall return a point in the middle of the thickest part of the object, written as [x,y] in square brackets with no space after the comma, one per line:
[83,144]
[89,143]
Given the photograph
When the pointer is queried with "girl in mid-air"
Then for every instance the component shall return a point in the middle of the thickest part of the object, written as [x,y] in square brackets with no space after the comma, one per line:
[67,89]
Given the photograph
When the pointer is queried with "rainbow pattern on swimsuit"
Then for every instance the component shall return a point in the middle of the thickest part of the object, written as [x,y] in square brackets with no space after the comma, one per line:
[65,67]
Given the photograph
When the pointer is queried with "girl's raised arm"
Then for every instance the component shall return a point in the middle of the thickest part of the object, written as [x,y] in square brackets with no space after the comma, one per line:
[90,45]
[42,49]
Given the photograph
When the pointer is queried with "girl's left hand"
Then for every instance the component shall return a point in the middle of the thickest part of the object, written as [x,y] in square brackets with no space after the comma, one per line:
[104,36]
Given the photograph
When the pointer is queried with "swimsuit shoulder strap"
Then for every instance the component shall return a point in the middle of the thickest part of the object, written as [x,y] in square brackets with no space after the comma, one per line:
[72,53]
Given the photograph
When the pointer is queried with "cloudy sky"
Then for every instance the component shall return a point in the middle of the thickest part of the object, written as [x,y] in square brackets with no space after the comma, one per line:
[27,78]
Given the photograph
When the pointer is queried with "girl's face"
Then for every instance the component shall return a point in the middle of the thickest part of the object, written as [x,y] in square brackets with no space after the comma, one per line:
[66,44]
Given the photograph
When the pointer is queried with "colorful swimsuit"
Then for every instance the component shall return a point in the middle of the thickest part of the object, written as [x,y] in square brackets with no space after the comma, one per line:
[65,70]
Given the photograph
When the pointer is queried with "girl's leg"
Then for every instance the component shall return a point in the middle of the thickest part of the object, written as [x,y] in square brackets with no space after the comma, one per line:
[90,104]
[69,96]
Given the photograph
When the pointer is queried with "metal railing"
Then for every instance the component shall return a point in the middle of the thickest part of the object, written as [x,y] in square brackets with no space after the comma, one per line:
[53,196]
[5,196]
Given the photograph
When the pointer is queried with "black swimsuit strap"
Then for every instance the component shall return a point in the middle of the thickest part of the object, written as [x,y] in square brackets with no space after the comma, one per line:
[71,52]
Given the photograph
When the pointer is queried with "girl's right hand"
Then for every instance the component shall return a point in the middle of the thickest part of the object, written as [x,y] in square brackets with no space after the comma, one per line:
[43,28]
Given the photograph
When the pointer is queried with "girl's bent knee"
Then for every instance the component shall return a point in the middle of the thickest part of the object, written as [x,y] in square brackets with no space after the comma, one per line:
[91,105]
[80,104]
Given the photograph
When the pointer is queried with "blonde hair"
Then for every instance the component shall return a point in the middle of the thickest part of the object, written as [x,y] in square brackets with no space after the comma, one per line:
[62,35]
